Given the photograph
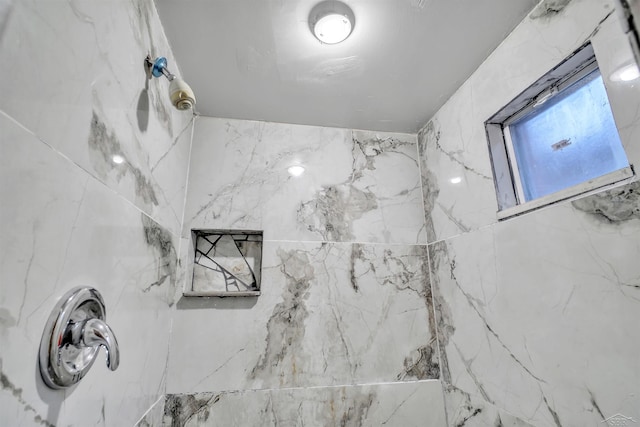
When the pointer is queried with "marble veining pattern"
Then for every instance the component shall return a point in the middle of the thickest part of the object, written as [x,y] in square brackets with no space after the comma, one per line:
[345,295]
[449,175]
[72,216]
[548,9]
[398,404]
[103,146]
[98,94]
[357,186]
[616,205]
[154,416]
[536,274]
[534,314]
[336,313]
[334,210]
[89,236]
[464,409]
[458,186]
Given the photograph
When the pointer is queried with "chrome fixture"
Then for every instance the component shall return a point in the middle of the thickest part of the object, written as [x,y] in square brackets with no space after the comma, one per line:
[181,95]
[72,338]
[331,21]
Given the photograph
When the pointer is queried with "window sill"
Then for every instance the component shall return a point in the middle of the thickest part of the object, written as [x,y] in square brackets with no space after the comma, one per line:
[625,174]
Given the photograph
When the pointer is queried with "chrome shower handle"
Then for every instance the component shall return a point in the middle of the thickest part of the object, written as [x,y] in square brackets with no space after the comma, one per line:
[73,336]
[98,333]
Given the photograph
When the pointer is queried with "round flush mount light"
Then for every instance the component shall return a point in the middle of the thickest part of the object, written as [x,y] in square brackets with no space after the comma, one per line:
[626,73]
[331,21]
[117,159]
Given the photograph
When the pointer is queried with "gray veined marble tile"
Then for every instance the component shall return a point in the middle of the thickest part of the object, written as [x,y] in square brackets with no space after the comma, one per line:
[328,314]
[154,416]
[357,186]
[617,205]
[72,215]
[457,182]
[62,228]
[376,276]
[96,102]
[457,177]
[532,313]
[397,404]
[464,409]
[548,9]
[380,199]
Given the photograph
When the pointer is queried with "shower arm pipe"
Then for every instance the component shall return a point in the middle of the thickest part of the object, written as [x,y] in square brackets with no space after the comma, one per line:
[180,93]
[158,67]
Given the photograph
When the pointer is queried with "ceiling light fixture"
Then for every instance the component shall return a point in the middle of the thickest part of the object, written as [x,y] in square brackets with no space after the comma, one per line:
[331,21]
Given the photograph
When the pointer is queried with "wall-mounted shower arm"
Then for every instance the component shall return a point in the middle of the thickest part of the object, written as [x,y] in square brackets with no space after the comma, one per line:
[180,93]
[158,67]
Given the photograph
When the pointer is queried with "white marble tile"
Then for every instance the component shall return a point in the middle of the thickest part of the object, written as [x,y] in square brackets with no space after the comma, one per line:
[464,409]
[329,314]
[537,315]
[614,53]
[154,416]
[5,13]
[74,75]
[61,228]
[458,183]
[399,404]
[357,186]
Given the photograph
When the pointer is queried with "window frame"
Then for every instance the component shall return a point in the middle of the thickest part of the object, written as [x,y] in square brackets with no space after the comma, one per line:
[504,165]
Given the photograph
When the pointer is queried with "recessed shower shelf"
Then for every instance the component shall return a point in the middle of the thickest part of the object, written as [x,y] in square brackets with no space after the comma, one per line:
[225,263]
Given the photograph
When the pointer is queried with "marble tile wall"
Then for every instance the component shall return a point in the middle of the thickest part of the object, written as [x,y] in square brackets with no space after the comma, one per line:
[74,94]
[154,417]
[405,404]
[345,295]
[358,186]
[536,315]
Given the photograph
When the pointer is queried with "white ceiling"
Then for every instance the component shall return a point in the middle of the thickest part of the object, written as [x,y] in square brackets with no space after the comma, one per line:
[257,59]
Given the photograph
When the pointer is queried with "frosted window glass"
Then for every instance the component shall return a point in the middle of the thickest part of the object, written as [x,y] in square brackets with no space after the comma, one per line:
[568,140]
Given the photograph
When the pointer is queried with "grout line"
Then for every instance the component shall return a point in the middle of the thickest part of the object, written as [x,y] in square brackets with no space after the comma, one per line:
[333,242]
[303,125]
[424,210]
[185,278]
[186,193]
[162,397]
[315,387]
[433,295]
[90,174]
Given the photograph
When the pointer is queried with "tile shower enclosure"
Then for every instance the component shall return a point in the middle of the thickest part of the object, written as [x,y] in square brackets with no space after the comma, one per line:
[383,283]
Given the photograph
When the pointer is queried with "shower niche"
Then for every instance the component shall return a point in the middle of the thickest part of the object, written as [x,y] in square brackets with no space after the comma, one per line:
[226,263]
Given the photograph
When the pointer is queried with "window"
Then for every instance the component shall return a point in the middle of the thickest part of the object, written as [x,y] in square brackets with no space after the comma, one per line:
[557,139]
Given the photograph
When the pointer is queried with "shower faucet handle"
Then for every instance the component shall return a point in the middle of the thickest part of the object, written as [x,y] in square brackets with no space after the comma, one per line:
[73,336]
[96,333]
